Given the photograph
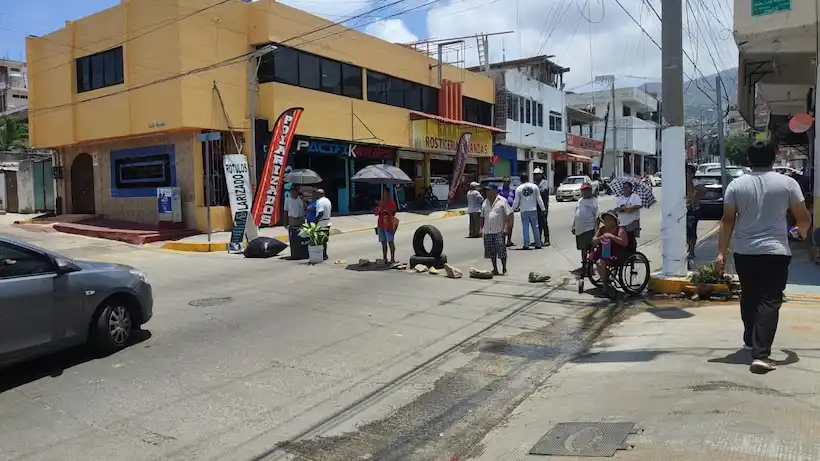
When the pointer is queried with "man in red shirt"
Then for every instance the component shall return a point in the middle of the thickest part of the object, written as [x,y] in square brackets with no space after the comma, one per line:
[387,224]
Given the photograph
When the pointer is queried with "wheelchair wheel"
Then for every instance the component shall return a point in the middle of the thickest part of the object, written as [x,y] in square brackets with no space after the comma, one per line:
[580,286]
[634,274]
[591,272]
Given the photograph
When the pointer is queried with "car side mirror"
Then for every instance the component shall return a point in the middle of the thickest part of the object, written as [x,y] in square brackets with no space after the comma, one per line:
[65,266]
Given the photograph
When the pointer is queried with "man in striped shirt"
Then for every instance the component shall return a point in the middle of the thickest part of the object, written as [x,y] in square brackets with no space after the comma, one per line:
[496,215]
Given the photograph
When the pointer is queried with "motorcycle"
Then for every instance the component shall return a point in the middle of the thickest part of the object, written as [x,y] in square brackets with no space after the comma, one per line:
[430,199]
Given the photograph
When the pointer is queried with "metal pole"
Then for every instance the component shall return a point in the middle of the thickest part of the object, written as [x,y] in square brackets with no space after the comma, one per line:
[252,117]
[721,145]
[440,66]
[208,188]
[673,224]
[614,129]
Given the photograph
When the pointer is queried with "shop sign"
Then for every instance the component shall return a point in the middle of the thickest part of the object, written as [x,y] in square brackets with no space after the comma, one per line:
[309,146]
[542,156]
[434,135]
[764,7]
[238,179]
[580,142]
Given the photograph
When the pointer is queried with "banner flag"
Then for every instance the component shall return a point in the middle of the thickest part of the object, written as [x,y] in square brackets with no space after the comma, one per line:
[461,162]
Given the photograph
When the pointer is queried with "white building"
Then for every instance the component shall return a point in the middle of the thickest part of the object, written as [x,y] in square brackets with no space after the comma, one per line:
[13,87]
[635,150]
[531,107]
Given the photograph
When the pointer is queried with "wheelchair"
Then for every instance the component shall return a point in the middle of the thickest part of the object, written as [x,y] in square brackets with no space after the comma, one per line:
[630,276]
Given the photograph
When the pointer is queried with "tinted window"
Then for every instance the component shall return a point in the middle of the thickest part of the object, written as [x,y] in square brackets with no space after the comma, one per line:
[331,76]
[556,122]
[412,96]
[143,171]
[512,107]
[100,70]
[310,75]
[376,87]
[539,112]
[352,77]
[429,99]
[286,65]
[17,261]
[395,92]
[478,111]
[528,111]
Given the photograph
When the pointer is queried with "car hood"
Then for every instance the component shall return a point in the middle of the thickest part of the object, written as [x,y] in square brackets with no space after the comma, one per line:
[101,266]
[569,187]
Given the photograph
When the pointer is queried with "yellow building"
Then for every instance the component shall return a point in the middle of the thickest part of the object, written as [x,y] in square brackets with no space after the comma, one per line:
[122,95]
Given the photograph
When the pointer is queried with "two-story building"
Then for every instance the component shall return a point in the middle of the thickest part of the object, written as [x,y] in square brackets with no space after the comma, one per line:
[123,94]
[13,89]
[635,149]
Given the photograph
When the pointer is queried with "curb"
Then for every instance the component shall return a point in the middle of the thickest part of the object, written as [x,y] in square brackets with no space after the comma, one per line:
[204,247]
[674,285]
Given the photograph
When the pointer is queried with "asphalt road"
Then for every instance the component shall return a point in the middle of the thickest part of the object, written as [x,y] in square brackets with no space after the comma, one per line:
[243,355]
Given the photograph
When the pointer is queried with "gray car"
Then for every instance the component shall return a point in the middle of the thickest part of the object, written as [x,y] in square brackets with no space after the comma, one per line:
[49,302]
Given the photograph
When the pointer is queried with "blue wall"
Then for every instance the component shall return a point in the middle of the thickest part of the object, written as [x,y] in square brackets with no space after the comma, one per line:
[507,153]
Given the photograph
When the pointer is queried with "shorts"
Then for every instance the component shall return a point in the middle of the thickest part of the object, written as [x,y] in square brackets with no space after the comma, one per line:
[494,246]
[584,241]
[385,235]
[692,217]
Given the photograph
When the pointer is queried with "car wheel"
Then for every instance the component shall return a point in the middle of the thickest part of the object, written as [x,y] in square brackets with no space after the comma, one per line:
[112,327]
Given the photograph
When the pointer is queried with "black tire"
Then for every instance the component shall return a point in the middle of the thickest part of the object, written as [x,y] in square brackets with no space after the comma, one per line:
[633,265]
[112,327]
[435,236]
[430,261]
[580,286]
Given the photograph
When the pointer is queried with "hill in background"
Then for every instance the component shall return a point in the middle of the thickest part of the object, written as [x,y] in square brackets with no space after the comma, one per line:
[699,95]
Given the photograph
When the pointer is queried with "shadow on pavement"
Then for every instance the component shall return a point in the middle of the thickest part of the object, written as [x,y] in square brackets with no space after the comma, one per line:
[744,357]
[372,267]
[620,356]
[670,313]
[54,365]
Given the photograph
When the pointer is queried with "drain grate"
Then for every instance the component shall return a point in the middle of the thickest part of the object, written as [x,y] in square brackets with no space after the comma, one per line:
[210,302]
[583,439]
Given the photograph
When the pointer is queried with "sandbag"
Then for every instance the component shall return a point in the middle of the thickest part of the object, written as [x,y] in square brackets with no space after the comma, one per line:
[264,247]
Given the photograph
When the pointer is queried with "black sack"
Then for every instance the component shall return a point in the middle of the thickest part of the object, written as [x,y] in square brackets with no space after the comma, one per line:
[264,247]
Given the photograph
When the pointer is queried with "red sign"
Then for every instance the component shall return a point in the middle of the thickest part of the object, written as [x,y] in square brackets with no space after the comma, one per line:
[580,142]
[365,151]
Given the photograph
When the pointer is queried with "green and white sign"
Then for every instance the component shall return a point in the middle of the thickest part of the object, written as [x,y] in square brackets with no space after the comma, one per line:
[764,7]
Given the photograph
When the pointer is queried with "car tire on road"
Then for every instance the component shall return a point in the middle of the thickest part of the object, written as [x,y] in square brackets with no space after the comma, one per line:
[112,327]
[435,236]
[430,261]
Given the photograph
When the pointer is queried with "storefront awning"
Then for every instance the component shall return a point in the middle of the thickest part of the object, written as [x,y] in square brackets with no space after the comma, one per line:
[414,115]
[567,157]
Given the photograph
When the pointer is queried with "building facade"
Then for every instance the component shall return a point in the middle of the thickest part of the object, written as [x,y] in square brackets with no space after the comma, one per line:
[13,89]
[634,152]
[124,111]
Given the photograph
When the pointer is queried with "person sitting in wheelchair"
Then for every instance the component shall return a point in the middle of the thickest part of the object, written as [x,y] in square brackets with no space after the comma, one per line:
[610,246]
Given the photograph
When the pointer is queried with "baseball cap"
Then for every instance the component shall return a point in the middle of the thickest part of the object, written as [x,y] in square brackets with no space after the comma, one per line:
[538,171]
[586,185]
[473,184]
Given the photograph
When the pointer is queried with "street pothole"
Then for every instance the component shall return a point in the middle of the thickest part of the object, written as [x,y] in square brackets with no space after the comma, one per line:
[210,302]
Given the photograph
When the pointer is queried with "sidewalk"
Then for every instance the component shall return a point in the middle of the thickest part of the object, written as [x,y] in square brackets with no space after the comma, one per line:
[341,225]
[680,376]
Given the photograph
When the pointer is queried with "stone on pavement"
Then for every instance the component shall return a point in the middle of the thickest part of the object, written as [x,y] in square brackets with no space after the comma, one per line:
[480,274]
[537,277]
[420,268]
[452,272]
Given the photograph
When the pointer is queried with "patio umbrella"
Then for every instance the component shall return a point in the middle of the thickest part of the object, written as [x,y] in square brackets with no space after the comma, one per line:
[382,174]
[303,176]
[639,187]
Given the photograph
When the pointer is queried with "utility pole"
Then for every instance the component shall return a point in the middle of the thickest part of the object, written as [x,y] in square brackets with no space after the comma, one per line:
[253,68]
[721,145]
[610,79]
[673,215]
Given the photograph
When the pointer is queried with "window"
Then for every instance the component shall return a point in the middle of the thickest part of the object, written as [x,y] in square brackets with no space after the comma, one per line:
[429,99]
[100,70]
[528,111]
[395,92]
[512,107]
[310,74]
[412,96]
[376,87]
[138,172]
[286,66]
[521,110]
[539,112]
[627,111]
[556,121]
[477,111]
[398,92]
[351,81]
[331,76]
[17,261]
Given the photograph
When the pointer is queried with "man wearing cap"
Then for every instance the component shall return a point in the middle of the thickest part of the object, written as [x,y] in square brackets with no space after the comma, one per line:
[543,213]
[496,216]
[474,201]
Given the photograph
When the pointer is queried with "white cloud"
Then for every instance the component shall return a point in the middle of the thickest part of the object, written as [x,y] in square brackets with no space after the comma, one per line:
[333,10]
[391,30]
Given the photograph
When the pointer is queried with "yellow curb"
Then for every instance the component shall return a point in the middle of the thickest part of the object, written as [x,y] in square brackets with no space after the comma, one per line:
[675,285]
[453,214]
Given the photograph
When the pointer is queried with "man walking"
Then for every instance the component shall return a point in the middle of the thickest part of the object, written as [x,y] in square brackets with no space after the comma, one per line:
[496,215]
[508,193]
[323,209]
[528,200]
[754,219]
[474,201]
[543,213]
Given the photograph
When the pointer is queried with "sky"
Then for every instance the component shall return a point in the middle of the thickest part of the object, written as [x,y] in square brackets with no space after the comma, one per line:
[591,37]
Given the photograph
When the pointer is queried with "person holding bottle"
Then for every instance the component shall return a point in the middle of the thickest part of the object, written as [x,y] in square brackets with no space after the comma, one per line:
[610,246]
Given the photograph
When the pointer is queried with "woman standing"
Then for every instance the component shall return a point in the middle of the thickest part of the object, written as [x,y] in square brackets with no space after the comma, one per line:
[387,224]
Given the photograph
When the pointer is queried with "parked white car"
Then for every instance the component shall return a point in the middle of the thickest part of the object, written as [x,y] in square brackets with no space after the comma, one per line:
[570,188]
[656,179]
[441,187]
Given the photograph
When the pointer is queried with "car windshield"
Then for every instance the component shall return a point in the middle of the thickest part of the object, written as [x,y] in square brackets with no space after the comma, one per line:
[574,180]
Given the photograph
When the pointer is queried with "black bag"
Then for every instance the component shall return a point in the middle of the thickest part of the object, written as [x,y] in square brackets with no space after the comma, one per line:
[264,247]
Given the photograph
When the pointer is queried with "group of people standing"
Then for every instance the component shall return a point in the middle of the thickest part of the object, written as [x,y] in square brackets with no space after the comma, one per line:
[317,210]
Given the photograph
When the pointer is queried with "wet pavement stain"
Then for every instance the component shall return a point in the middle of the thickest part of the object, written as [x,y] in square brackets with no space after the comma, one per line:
[730,386]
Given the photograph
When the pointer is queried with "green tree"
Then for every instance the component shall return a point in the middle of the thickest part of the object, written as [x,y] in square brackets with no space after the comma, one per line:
[13,135]
[736,147]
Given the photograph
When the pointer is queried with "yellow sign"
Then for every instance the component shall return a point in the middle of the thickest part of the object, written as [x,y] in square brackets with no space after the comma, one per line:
[444,137]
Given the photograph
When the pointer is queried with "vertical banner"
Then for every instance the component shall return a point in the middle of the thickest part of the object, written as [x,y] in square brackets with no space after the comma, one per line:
[461,162]
[268,200]
[238,179]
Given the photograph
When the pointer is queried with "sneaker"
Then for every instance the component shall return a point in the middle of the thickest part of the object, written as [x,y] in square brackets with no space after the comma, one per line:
[762,366]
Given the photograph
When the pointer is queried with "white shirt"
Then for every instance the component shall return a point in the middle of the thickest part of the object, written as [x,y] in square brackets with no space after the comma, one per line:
[586,215]
[474,201]
[295,207]
[627,218]
[323,206]
[495,215]
[527,198]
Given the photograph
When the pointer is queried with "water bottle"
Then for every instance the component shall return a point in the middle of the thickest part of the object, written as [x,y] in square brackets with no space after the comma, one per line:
[795,233]
[606,248]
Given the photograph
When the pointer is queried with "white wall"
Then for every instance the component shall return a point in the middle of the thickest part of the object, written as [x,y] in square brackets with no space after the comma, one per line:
[25,187]
[552,99]
[633,133]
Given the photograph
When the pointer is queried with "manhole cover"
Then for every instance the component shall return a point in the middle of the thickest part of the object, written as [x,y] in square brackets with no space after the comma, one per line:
[583,439]
[209,302]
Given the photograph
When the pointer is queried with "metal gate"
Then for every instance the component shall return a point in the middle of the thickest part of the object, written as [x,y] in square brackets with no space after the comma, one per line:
[43,186]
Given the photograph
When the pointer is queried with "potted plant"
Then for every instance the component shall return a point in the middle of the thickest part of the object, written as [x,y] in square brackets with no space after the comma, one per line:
[707,279]
[317,235]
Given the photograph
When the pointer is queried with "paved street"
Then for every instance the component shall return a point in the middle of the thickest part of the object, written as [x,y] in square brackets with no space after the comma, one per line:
[242,355]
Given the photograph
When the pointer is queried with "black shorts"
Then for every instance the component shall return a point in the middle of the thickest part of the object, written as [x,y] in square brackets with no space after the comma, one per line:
[692,218]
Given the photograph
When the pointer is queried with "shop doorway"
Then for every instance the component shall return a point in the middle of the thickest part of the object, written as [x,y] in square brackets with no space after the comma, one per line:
[82,184]
[332,169]
[562,172]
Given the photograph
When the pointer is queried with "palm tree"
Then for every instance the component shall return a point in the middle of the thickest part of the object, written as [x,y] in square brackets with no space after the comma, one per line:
[13,135]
